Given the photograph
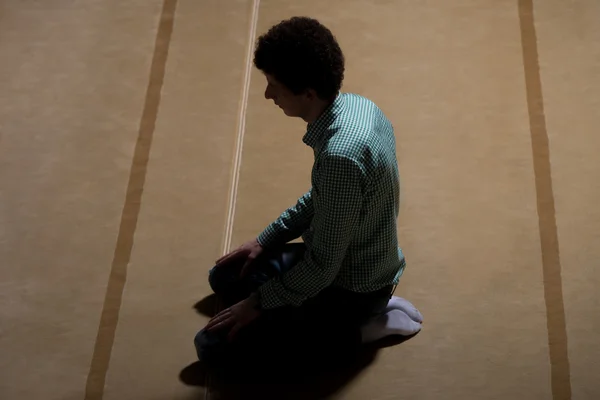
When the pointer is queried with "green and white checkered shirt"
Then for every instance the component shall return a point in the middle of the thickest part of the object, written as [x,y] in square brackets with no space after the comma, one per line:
[348,218]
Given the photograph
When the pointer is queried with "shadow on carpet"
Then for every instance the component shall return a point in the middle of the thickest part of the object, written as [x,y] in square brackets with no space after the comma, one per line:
[288,380]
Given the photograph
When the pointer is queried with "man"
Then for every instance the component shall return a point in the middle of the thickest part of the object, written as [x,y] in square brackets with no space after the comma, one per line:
[333,291]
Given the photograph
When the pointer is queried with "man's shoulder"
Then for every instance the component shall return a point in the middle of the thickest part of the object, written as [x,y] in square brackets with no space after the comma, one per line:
[355,128]
[357,105]
[359,113]
[349,149]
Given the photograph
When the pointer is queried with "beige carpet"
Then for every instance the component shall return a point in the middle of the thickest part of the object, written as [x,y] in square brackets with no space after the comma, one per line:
[136,146]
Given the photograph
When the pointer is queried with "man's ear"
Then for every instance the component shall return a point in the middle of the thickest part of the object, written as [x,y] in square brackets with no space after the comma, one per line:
[311,94]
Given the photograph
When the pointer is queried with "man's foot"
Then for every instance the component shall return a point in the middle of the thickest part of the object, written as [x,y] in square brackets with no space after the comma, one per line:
[398,303]
[393,322]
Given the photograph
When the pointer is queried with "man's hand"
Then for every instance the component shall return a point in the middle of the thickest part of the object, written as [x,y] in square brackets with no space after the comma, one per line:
[249,250]
[235,317]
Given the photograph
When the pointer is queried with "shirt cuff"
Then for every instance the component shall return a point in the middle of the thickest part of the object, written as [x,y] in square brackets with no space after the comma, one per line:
[268,237]
[268,297]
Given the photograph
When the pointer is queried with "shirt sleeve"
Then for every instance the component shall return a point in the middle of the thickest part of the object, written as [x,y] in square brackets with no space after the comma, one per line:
[290,224]
[338,203]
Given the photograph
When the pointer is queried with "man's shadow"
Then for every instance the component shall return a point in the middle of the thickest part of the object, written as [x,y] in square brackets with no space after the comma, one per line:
[319,380]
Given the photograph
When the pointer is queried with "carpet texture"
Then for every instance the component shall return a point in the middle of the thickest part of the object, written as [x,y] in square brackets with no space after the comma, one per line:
[136,146]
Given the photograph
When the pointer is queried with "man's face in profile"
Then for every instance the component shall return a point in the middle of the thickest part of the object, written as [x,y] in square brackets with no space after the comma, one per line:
[292,105]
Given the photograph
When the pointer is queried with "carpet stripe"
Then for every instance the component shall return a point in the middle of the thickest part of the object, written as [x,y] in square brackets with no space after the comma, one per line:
[118,274]
[556,324]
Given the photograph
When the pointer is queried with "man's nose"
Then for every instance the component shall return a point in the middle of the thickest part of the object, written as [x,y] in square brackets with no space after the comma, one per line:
[267,94]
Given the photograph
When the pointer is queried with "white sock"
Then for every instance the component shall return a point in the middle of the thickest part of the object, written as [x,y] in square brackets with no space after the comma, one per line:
[394,322]
[398,303]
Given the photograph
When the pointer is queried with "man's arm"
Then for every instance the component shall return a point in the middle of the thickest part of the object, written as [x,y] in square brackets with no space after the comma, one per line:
[290,224]
[340,198]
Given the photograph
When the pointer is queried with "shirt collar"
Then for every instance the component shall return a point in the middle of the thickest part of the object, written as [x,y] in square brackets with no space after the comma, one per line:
[315,130]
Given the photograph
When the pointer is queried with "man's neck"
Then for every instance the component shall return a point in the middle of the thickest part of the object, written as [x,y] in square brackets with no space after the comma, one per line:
[317,110]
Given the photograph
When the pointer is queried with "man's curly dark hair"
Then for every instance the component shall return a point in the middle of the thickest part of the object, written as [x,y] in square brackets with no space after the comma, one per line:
[302,54]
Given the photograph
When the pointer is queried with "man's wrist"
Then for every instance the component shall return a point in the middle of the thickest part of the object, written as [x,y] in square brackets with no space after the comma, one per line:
[256,300]
[268,236]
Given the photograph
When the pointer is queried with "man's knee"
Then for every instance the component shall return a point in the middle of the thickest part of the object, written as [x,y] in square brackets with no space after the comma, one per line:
[213,280]
[199,344]
[223,277]
[207,346]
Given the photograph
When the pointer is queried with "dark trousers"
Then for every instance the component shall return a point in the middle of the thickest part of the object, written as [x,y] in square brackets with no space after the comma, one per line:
[325,326]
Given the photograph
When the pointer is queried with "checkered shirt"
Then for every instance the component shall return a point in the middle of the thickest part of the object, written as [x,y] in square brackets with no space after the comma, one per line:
[347,219]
